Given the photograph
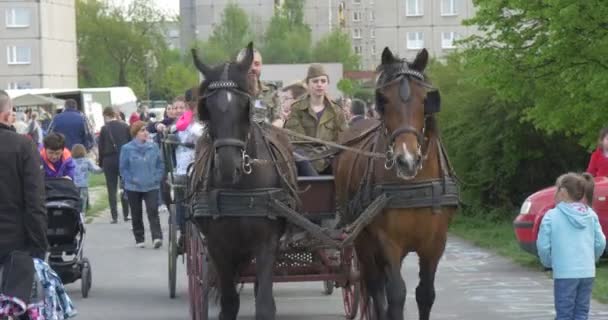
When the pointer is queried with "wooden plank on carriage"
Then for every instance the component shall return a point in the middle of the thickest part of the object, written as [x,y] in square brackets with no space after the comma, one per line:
[365,218]
[299,220]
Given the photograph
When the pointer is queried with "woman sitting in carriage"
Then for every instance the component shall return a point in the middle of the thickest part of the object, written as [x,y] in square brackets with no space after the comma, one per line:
[188,131]
[315,115]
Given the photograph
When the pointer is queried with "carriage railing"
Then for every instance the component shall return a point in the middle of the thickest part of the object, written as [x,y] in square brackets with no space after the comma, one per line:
[169,144]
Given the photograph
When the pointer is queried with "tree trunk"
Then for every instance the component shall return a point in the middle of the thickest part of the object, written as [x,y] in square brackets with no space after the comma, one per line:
[122,76]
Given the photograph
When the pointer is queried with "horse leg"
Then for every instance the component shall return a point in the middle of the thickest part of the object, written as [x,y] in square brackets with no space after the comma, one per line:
[395,285]
[374,280]
[265,308]
[229,297]
[425,292]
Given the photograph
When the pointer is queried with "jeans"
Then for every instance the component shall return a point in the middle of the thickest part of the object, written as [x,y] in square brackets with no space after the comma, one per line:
[151,200]
[303,165]
[110,170]
[572,298]
[84,199]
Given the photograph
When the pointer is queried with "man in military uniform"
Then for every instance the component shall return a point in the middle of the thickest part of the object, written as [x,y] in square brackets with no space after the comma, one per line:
[316,115]
[265,106]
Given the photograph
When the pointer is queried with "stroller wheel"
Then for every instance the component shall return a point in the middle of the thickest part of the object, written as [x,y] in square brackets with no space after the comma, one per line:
[86,277]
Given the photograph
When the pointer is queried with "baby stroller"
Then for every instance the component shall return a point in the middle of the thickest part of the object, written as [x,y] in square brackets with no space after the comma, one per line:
[66,233]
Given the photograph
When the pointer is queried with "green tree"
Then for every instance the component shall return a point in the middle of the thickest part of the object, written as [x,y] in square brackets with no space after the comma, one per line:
[287,39]
[115,45]
[552,53]
[228,38]
[336,47]
[500,158]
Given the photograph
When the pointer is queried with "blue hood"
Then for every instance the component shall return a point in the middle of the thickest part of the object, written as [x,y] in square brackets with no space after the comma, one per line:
[578,218]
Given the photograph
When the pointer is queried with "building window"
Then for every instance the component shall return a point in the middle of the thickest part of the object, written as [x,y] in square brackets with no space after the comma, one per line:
[13,86]
[357,1]
[358,50]
[17,18]
[448,7]
[372,50]
[372,33]
[356,33]
[19,85]
[447,40]
[413,8]
[18,55]
[356,16]
[372,16]
[415,40]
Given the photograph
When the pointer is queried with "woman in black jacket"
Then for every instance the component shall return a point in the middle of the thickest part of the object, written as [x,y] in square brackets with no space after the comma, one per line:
[113,135]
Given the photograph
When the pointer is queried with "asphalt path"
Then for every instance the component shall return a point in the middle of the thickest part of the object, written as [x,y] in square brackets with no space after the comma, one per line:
[474,284]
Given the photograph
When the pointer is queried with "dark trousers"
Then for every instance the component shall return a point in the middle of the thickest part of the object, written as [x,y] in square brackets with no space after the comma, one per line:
[180,209]
[112,173]
[135,201]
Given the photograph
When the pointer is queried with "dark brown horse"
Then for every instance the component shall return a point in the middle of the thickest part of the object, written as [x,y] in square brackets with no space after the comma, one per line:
[238,158]
[408,133]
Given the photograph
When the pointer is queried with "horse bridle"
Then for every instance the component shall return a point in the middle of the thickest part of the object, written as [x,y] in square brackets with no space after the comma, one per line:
[402,75]
[225,84]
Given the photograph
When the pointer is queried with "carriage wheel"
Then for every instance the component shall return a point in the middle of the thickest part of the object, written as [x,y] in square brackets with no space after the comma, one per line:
[198,275]
[86,278]
[328,287]
[351,293]
[172,252]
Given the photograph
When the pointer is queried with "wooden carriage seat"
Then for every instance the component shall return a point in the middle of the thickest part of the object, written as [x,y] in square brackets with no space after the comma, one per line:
[318,196]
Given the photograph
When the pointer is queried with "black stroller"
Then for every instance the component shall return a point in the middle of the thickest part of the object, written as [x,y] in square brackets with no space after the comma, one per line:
[66,233]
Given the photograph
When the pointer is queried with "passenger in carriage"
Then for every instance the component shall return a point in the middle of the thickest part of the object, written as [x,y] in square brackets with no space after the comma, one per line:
[286,96]
[315,115]
[266,107]
[184,156]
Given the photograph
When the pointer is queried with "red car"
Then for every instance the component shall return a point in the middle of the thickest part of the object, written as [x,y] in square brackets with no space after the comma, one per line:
[535,207]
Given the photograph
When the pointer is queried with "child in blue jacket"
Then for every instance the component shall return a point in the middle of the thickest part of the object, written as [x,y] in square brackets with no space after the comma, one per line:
[571,241]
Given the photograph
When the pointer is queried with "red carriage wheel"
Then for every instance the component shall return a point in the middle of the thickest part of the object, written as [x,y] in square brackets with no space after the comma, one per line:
[351,293]
[198,270]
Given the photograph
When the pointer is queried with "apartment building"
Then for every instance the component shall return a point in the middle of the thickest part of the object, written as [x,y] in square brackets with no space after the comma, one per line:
[38,44]
[199,17]
[406,26]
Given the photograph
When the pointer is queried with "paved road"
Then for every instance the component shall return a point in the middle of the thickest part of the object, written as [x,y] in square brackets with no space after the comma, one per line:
[474,284]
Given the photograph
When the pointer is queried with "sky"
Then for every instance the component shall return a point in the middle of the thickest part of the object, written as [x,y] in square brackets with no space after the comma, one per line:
[168,6]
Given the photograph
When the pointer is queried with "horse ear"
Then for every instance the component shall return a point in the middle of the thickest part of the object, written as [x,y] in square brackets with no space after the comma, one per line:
[422,58]
[387,56]
[204,69]
[246,62]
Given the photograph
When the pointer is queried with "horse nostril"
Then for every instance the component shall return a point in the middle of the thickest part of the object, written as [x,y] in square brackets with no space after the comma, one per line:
[401,161]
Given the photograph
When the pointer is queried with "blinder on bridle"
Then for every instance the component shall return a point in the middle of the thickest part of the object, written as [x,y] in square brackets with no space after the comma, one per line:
[225,84]
[432,103]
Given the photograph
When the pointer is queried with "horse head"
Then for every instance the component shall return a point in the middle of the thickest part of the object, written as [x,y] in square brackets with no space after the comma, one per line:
[403,101]
[225,104]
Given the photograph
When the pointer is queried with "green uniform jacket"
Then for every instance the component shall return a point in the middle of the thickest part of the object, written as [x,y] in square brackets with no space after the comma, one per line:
[265,106]
[303,119]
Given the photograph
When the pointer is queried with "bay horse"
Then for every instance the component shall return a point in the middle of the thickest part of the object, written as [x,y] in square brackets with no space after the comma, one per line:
[238,156]
[407,131]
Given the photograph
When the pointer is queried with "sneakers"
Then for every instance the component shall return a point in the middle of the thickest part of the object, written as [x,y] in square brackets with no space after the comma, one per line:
[140,245]
[114,221]
[158,243]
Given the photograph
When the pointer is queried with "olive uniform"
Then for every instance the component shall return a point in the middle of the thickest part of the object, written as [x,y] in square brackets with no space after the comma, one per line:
[303,120]
[265,106]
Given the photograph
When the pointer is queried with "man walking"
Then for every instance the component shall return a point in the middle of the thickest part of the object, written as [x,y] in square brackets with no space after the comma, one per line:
[23,220]
[73,125]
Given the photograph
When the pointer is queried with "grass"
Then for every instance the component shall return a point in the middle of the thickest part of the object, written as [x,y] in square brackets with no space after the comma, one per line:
[496,233]
[97,180]
[97,184]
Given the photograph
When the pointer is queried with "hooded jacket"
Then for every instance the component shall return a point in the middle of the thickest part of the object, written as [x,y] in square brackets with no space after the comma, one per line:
[570,241]
[141,166]
[63,168]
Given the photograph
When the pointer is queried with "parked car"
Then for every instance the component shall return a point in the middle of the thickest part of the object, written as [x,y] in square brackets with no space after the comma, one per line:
[535,207]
